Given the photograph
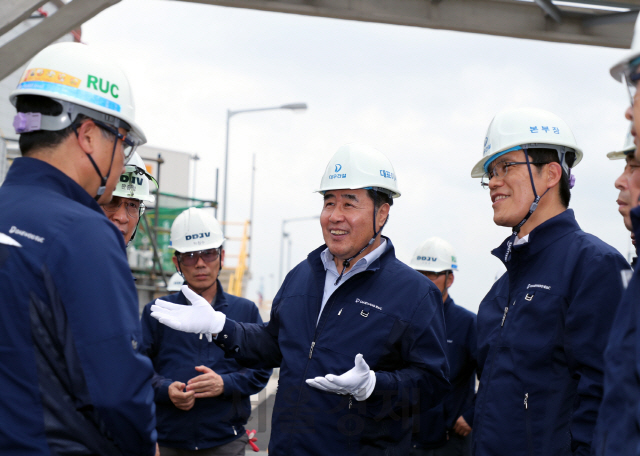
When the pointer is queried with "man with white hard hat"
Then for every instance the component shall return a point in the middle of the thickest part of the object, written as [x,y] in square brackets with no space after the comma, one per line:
[127,204]
[544,325]
[617,430]
[73,379]
[358,335]
[202,398]
[175,282]
[445,430]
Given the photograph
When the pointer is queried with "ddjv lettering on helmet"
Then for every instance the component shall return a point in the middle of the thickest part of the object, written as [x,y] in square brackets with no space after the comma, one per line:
[133,180]
[197,236]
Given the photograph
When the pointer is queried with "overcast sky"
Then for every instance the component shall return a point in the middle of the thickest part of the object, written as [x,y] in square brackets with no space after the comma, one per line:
[423,97]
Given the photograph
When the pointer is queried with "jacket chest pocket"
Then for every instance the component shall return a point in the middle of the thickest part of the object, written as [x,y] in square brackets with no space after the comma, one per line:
[357,328]
[533,321]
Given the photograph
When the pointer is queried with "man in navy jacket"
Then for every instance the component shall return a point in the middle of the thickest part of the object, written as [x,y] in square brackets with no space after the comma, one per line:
[618,420]
[202,398]
[358,335]
[72,379]
[544,325]
[445,430]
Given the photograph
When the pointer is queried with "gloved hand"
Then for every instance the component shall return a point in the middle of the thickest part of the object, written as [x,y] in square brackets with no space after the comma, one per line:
[358,382]
[199,317]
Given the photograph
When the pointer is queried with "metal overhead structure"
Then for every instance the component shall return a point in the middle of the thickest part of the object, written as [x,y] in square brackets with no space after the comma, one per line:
[590,22]
[67,16]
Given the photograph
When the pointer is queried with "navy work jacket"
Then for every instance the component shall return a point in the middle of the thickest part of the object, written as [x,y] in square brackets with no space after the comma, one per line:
[542,331]
[389,313]
[432,426]
[72,379]
[212,421]
[618,425]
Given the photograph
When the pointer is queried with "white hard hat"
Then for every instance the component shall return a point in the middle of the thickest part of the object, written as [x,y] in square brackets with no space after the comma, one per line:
[434,255]
[356,166]
[134,182]
[83,81]
[628,146]
[631,60]
[195,229]
[531,127]
[175,282]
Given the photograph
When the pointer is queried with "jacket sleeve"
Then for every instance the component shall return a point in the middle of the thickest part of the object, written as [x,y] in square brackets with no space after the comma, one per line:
[253,344]
[425,379]
[246,382]
[597,289]
[101,306]
[472,345]
[150,345]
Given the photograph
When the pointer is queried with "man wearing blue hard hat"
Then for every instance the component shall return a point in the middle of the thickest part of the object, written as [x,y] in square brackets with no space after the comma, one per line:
[543,326]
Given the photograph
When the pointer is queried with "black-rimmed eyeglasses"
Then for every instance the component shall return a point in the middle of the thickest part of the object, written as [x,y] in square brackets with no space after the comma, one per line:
[500,170]
[128,145]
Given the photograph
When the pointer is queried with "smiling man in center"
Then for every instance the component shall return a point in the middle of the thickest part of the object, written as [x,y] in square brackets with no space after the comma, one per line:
[544,325]
[358,335]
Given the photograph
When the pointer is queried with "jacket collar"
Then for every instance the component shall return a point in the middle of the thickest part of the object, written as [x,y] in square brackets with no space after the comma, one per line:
[38,173]
[315,260]
[447,303]
[635,221]
[541,236]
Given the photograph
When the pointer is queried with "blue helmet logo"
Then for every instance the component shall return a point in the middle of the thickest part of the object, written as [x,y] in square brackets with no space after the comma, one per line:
[338,167]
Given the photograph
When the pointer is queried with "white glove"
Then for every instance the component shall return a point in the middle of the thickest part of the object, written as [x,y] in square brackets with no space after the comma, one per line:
[358,382]
[199,317]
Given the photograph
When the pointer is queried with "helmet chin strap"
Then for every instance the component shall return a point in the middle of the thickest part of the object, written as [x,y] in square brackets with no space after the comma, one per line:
[347,262]
[532,208]
[103,179]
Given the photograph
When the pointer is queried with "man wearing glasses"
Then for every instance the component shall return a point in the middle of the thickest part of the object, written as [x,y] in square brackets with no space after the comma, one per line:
[73,379]
[202,398]
[127,204]
[544,325]
[617,430]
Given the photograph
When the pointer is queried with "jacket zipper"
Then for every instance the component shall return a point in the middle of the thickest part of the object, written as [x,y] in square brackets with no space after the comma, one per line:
[504,316]
[527,419]
[484,398]
[327,308]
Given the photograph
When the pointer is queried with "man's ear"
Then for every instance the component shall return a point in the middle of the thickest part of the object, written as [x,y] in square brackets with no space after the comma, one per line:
[554,174]
[87,136]
[450,279]
[383,214]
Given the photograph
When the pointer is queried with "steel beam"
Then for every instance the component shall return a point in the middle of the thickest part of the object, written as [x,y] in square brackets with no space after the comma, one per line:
[552,10]
[493,17]
[12,12]
[614,18]
[18,51]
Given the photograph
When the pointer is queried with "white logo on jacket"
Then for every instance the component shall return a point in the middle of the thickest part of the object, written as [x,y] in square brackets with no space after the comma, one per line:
[359,301]
[26,234]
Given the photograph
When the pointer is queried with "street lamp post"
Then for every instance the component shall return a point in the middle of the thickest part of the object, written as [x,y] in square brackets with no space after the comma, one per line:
[286,235]
[230,114]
